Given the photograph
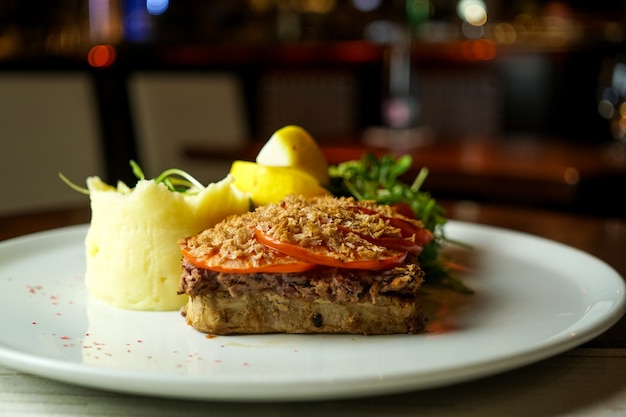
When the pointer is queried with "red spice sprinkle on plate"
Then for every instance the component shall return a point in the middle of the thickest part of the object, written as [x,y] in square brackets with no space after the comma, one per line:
[34,289]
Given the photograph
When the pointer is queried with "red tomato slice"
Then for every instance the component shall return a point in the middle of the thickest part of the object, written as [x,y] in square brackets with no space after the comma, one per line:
[405,244]
[422,235]
[277,262]
[404,209]
[321,255]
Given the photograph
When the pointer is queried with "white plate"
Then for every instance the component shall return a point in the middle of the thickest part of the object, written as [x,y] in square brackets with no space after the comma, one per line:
[534,298]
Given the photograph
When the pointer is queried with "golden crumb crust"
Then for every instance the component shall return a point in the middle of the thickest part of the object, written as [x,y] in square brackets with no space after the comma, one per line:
[309,223]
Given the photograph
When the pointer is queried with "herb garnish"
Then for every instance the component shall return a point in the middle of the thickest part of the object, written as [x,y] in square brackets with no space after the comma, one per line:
[176,180]
[378,179]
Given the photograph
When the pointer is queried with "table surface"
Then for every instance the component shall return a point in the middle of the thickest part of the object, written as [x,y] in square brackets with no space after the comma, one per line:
[588,380]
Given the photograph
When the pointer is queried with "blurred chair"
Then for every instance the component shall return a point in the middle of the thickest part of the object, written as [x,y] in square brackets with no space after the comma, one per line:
[324,102]
[173,112]
[49,124]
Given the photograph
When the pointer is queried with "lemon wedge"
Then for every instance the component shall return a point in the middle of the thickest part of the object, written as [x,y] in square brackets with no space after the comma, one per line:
[292,146]
[269,184]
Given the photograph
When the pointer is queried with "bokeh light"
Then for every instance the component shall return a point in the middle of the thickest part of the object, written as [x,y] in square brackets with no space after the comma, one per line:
[478,50]
[475,15]
[366,5]
[505,33]
[101,56]
[472,31]
[157,7]
[473,12]
[380,31]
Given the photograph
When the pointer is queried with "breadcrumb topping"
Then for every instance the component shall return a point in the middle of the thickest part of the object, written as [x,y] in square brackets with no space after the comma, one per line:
[317,224]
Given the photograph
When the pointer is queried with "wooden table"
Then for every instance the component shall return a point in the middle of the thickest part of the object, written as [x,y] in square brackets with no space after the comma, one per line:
[589,380]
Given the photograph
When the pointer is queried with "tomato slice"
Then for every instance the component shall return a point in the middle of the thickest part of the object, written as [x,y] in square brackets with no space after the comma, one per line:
[405,244]
[404,209]
[422,235]
[322,256]
[275,261]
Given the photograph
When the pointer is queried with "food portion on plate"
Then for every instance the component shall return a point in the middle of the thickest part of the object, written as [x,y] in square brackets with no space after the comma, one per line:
[132,255]
[306,265]
[286,243]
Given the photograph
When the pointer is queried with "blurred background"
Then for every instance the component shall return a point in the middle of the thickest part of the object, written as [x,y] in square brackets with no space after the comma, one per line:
[513,102]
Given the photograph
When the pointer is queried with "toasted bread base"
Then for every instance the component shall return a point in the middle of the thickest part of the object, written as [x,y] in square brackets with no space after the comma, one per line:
[266,312]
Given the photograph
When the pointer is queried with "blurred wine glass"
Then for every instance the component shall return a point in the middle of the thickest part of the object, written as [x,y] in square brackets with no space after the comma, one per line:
[400,107]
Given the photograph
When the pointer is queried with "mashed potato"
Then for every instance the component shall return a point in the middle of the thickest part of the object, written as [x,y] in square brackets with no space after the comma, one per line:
[133,258]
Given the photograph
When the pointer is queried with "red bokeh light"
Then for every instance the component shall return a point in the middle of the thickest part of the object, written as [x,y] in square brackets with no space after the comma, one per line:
[101,56]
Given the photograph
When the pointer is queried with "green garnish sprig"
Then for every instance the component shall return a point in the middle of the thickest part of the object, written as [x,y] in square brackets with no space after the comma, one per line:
[73,186]
[378,179]
[176,180]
